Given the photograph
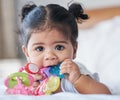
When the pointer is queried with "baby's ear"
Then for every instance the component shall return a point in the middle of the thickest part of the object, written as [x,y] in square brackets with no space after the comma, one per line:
[24,49]
[75,50]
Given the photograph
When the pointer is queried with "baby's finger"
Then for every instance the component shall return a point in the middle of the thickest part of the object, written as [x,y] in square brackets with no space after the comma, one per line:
[64,70]
[66,61]
[66,64]
[37,77]
[35,84]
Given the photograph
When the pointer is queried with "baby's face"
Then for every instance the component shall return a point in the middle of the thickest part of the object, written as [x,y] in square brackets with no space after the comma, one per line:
[48,48]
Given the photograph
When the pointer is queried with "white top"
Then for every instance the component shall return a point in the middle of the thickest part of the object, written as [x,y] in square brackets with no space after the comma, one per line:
[67,86]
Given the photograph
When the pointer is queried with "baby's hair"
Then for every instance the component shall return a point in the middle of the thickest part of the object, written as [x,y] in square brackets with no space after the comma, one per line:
[52,16]
[26,9]
[77,10]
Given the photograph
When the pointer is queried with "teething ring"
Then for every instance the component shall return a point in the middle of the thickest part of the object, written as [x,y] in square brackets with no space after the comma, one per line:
[31,68]
[51,85]
[26,79]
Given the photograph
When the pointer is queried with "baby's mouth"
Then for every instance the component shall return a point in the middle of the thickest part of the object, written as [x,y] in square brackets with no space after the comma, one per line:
[50,64]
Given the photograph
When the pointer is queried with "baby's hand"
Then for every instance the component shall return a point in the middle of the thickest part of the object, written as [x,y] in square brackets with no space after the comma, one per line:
[37,78]
[71,68]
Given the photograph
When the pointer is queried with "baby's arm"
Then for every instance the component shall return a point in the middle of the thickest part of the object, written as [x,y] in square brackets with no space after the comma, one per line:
[83,83]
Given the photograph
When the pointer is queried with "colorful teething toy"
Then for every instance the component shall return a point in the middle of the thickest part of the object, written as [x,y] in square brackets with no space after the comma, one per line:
[21,82]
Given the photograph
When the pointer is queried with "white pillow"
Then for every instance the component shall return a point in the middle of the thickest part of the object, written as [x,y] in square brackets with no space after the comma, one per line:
[99,51]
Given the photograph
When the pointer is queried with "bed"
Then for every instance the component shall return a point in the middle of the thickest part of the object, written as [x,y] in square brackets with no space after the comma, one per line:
[98,50]
[58,96]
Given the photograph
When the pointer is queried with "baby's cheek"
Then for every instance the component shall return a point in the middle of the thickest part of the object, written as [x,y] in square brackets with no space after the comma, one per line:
[64,55]
[36,60]
[38,63]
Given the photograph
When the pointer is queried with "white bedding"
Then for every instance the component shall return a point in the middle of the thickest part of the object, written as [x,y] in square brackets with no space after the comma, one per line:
[98,50]
[58,96]
[61,96]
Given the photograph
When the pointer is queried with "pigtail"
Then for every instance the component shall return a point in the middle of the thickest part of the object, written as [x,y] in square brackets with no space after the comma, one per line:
[78,12]
[26,9]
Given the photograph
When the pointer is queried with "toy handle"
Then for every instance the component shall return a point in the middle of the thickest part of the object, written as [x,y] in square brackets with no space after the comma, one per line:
[30,68]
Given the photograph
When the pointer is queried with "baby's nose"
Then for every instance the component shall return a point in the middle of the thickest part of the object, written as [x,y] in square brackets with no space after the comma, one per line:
[50,56]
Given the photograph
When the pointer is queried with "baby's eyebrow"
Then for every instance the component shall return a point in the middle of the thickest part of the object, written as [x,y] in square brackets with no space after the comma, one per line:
[40,43]
[61,42]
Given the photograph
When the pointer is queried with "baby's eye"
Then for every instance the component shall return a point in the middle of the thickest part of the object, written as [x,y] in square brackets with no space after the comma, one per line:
[40,48]
[59,47]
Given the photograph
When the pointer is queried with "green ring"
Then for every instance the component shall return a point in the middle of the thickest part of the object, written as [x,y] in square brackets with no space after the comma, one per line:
[13,79]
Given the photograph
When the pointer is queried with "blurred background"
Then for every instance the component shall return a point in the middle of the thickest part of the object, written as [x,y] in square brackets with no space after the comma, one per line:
[10,49]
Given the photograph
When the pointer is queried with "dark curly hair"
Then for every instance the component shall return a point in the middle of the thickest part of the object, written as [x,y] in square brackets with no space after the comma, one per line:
[39,18]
